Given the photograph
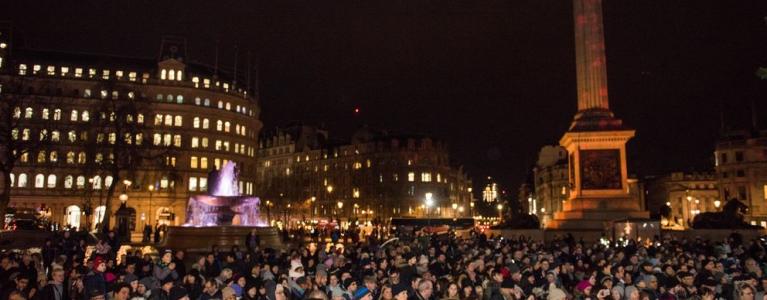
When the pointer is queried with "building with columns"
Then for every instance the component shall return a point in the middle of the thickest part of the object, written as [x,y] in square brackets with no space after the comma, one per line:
[551,183]
[741,171]
[302,173]
[185,119]
[686,193]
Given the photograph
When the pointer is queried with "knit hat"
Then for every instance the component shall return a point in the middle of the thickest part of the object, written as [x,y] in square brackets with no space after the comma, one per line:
[398,288]
[348,282]
[177,292]
[361,292]
[97,261]
[583,285]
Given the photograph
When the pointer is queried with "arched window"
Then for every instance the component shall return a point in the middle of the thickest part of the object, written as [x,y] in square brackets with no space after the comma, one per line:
[227,125]
[51,181]
[57,114]
[81,158]
[54,156]
[197,101]
[98,214]
[180,99]
[178,121]
[205,123]
[140,118]
[73,116]
[177,140]
[108,181]
[168,120]
[171,75]
[220,104]
[196,122]
[85,116]
[219,125]
[28,113]
[72,136]
[73,217]
[163,74]
[39,181]
[207,102]
[228,106]
[178,75]
[80,182]
[68,181]
[16,112]
[169,98]
[96,182]
[13,179]
[22,180]
[157,139]
[41,157]
[70,157]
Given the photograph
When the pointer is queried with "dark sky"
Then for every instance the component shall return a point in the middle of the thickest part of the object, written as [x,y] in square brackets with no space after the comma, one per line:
[494,79]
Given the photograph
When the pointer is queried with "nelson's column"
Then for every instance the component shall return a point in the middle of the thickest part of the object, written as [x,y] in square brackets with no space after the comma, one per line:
[596,140]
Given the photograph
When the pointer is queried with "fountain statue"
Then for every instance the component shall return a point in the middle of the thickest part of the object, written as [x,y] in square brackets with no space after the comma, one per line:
[222,217]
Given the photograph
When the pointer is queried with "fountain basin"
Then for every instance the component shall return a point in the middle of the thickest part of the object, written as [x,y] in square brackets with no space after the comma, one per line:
[202,239]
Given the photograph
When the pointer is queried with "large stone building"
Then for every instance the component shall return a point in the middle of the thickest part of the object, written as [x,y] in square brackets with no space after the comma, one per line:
[302,173]
[686,194]
[92,111]
[741,170]
[551,183]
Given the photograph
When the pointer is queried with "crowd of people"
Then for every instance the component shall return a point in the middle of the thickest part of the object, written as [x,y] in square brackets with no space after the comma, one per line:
[443,267]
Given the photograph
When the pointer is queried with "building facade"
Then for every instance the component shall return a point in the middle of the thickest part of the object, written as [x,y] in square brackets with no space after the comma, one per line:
[185,119]
[374,175]
[551,183]
[686,194]
[741,171]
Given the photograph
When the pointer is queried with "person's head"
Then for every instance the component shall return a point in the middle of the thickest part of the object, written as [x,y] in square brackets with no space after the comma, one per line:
[745,292]
[210,258]
[167,285]
[386,293]
[211,286]
[122,291]
[425,288]
[370,283]
[399,292]
[58,275]
[394,277]
[167,257]
[452,290]
[686,278]
[279,292]
[180,254]
[22,281]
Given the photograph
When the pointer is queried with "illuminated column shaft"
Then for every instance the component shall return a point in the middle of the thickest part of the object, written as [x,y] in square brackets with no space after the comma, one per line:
[590,55]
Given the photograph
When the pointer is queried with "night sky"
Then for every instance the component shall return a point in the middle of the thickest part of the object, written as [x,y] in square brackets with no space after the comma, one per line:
[494,79]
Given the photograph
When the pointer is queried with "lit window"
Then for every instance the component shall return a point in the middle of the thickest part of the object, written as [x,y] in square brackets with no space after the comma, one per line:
[51,181]
[25,134]
[68,181]
[105,74]
[159,97]
[39,181]
[85,117]
[115,95]
[180,99]
[227,125]
[410,176]
[132,76]
[203,184]
[355,192]
[287,171]
[203,162]
[178,121]
[22,180]
[228,106]
[166,139]
[425,177]
[87,93]
[177,140]
[36,69]
[205,123]
[207,102]
[195,142]
[219,125]
[104,94]
[197,101]
[169,98]
[163,74]
[70,157]
[55,135]
[193,162]
[28,113]
[220,104]
[157,139]
[196,122]
[119,74]
[91,73]
[357,165]
[57,114]
[192,184]
[51,70]
[140,118]
[81,158]
[78,72]
[73,116]
[168,120]
[41,157]
[204,142]
[158,119]
[196,81]
[22,69]
[64,71]
[171,75]
[96,182]
[218,145]
[178,75]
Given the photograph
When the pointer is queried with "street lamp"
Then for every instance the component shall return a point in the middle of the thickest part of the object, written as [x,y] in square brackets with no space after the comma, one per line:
[123,198]
[717,203]
[151,189]
[500,212]
[429,201]
[455,207]
[471,208]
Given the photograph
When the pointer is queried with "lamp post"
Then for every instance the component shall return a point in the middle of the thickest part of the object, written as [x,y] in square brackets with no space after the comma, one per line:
[151,189]
[455,208]
[500,212]
[717,203]
[471,208]
[340,212]
[330,195]
[429,201]
[312,206]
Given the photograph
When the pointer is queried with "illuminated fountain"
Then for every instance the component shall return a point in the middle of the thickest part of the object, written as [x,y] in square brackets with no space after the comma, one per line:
[224,205]
[222,217]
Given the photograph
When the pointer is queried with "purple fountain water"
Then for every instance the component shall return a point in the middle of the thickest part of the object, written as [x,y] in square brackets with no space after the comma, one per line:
[224,205]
